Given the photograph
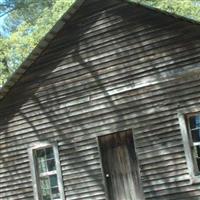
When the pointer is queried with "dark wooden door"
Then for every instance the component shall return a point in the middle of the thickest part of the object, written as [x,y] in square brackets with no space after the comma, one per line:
[120,166]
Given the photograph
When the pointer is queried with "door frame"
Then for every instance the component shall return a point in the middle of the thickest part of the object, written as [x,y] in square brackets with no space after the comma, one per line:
[131,130]
[102,168]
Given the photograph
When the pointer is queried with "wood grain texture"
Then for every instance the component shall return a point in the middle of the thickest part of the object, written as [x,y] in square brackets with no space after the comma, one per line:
[120,166]
[114,66]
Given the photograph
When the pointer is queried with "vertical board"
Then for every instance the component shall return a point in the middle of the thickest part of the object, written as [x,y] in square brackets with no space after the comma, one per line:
[120,166]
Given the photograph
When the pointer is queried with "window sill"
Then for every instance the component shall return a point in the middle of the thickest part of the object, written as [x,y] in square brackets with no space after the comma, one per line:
[195,179]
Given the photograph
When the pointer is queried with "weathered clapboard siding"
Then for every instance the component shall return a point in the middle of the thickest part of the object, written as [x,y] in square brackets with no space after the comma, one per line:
[114,66]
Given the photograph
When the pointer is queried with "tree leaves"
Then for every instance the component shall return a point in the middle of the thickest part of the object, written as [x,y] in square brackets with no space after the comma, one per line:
[15,48]
[187,8]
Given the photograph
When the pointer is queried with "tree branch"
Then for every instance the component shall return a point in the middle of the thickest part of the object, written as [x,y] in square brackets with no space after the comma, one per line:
[6,12]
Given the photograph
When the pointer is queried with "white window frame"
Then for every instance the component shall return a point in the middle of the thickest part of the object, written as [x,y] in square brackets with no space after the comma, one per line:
[187,140]
[34,171]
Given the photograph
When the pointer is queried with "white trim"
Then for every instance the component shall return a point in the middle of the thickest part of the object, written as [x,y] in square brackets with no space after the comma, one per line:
[59,175]
[196,143]
[48,173]
[187,142]
[138,164]
[35,174]
[102,169]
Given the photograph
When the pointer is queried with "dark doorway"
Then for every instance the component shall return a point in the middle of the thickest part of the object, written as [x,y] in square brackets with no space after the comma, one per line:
[120,166]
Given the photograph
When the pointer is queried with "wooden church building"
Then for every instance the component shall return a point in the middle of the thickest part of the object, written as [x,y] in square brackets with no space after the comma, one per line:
[107,107]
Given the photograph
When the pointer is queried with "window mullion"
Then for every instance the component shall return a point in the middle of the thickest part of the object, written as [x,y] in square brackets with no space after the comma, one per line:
[48,173]
[193,126]
[196,144]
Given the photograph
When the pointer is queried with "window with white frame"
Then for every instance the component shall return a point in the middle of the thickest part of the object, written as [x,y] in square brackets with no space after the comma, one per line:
[46,173]
[193,124]
[189,120]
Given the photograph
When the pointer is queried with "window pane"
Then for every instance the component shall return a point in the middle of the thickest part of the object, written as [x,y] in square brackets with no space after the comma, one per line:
[42,166]
[45,183]
[194,121]
[46,194]
[197,151]
[40,154]
[55,193]
[41,160]
[51,165]
[54,187]
[196,135]
[47,174]
[198,163]
[49,152]
[53,181]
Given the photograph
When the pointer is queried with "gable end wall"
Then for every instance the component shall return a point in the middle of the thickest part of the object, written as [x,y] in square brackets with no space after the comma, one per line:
[113,67]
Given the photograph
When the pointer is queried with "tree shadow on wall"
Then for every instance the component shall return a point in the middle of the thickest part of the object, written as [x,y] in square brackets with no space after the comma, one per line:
[83,91]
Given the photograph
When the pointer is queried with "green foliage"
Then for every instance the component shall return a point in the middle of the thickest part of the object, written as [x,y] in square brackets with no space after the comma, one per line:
[28,21]
[4,66]
[22,10]
[187,8]
[28,32]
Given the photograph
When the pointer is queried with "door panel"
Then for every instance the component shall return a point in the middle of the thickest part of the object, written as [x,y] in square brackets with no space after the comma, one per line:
[120,166]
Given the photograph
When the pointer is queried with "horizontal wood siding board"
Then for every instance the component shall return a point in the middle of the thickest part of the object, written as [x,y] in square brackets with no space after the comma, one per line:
[168,121]
[99,95]
[97,7]
[148,53]
[136,21]
[85,113]
[117,68]
[143,115]
[144,93]
[115,77]
[101,44]
[130,82]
